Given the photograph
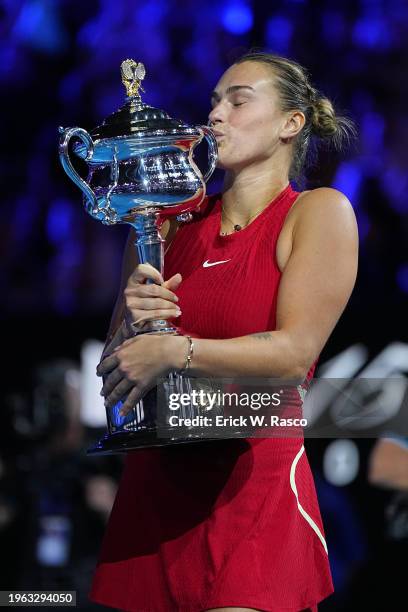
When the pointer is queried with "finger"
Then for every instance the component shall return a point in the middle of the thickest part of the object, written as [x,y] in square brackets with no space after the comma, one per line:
[118,392]
[137,393]
[127,342]
[173,282]
[132,399]
[144,271]
[153,291]
[111,381]
[142,316]
[108,364]
[147,303]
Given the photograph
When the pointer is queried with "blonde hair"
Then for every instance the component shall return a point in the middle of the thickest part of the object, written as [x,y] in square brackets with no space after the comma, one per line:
[296,92]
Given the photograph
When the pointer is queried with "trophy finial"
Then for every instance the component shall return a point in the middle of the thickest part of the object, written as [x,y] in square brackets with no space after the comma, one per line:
[132,74]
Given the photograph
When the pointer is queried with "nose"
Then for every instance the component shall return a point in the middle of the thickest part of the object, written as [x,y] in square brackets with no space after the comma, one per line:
[216,115]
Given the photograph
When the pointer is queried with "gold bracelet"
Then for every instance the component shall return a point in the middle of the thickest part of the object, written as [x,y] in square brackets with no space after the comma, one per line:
[189,355]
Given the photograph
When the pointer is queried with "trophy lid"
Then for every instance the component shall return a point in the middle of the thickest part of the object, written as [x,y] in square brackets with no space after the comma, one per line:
[135,117]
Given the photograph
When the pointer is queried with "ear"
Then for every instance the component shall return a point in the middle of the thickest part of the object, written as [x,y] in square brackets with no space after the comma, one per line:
[295,120]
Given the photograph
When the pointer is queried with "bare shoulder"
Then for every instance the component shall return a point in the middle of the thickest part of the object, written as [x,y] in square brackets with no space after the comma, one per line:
[327,195]
[324,207]
[325,200]
[315,215]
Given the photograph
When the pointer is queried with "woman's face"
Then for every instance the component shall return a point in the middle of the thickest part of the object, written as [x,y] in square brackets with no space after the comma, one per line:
[246,116]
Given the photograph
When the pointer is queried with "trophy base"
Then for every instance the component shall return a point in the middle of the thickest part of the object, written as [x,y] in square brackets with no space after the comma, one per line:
[124,442]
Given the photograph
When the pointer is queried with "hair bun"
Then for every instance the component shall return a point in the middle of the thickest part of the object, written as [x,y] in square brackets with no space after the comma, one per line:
[327,125]
[324,120]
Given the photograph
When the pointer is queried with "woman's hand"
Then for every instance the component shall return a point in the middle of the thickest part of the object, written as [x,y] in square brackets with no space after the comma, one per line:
[146,302]
[134,367]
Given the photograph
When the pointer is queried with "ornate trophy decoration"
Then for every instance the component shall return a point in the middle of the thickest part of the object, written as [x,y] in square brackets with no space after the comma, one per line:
[140,170]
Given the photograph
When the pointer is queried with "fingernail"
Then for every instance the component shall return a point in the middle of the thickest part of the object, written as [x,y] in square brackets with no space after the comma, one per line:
[176,298]
[178,312]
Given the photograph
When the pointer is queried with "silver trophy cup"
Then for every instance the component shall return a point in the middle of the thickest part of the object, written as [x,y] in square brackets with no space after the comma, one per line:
[140,169]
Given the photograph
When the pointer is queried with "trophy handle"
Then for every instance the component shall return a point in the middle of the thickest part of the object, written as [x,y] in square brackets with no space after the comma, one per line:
[66,135]
[212,150]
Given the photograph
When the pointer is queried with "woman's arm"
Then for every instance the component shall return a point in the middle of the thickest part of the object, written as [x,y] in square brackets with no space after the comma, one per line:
[315,287]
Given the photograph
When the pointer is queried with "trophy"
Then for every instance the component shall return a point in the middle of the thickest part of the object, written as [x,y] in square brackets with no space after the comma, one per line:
[140,169]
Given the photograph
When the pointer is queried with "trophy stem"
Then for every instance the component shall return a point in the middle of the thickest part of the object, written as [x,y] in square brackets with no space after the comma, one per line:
[150,249]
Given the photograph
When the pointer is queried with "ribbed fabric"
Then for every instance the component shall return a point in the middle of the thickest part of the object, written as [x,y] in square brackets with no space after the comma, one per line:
[237,297]
[227,523]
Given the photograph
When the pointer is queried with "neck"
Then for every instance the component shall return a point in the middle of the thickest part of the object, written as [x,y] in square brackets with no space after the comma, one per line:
[248,190]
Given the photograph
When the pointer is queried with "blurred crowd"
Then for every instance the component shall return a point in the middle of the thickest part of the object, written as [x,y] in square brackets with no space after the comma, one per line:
[60,65]
[54,499]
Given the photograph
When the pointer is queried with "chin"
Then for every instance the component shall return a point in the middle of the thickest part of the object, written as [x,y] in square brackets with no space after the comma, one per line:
[231,166]
[225,163]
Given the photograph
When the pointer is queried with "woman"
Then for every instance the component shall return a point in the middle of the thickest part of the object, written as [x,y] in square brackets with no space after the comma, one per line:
[259,278]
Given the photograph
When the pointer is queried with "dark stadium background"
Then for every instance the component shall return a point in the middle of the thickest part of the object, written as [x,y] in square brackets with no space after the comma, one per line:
[59,65]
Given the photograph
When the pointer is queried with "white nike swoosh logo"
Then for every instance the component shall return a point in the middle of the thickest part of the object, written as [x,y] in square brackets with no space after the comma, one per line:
[207,264]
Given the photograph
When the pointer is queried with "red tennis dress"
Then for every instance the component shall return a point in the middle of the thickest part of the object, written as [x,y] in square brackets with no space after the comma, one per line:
[219,523]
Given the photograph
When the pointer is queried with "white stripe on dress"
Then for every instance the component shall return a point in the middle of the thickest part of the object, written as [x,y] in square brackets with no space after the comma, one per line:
[300,507]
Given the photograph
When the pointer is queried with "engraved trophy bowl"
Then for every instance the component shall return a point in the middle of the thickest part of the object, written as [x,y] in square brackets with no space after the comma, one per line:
[140,171]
